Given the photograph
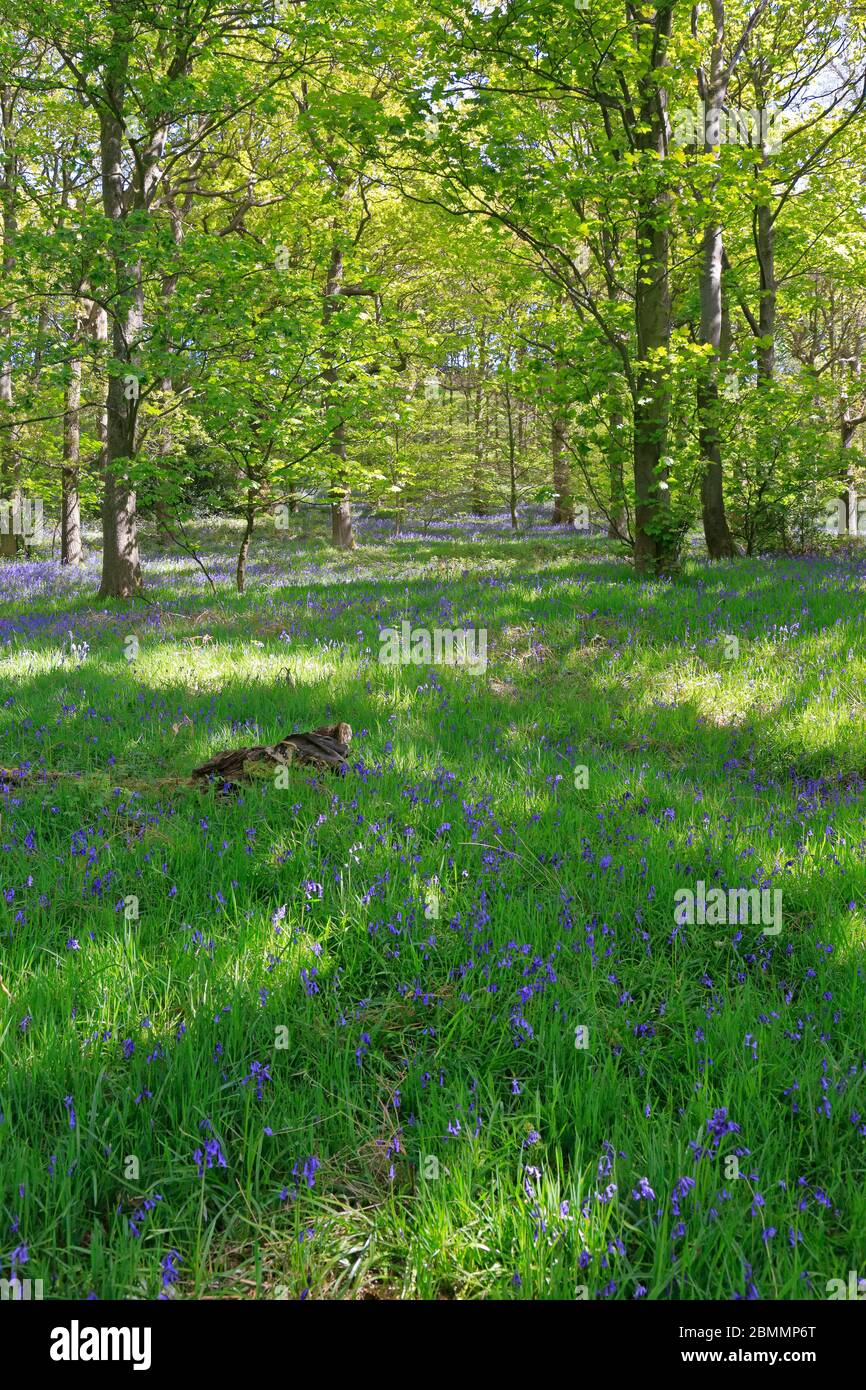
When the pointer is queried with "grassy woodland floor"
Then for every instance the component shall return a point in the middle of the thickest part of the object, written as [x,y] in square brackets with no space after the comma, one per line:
[288,1077]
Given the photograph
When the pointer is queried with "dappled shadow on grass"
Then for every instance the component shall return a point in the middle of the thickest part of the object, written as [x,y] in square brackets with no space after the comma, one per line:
[320,1099]
[309,909]
[606,666]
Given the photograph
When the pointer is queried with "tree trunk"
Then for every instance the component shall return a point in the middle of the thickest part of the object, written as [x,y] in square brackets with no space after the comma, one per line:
[512,459]
[618,517]
[478,458]
[99,322]
[716,533]
[121,566]
[849,423]
[714,93]
[250,521]
[563,507]
[10,488]
[70,517]
[653,549]
[166,440]
[342,534]
[766,248]
[848,496]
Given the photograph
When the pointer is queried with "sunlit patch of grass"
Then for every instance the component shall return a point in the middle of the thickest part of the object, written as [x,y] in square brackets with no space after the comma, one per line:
[303,915]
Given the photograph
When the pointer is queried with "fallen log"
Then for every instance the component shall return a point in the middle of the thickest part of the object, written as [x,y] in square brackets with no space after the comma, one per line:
[326,748]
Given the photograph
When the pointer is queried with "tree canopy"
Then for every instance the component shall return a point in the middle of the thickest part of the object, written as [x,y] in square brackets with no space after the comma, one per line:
[417,256]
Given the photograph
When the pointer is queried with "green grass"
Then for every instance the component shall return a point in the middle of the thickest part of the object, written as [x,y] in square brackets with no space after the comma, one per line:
[448,1142]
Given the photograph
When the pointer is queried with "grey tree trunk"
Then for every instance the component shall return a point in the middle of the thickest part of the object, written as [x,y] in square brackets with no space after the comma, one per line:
[714,93]
[249,523]
[720,544]
[618,518]
[121,565]
[166,440]
[10,487]
[766,248]
[99,324]
[512,457]
[70,513]
[653,548]
[849,424]
[478,457]
[342,534]
[617,528]
[654,545]
[563,506]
